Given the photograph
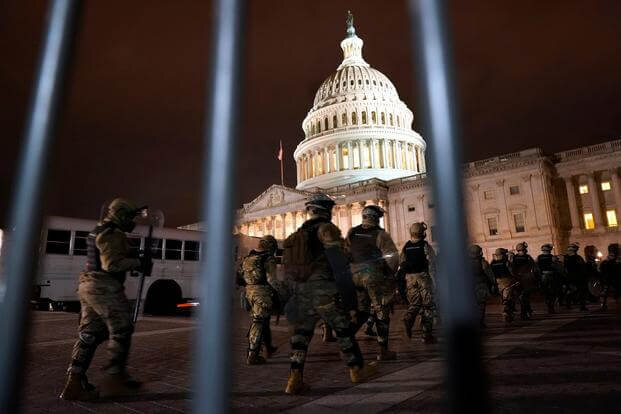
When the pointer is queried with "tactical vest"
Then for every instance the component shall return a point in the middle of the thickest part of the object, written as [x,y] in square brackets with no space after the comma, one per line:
[572,265]
[93,255]
[522,264]
[476,264]
[363,244]
[500,269]
[545,262]
[253,268]
[611,268]
[415,257]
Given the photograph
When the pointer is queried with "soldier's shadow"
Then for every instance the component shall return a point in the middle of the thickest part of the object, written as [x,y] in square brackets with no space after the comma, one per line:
[147,396]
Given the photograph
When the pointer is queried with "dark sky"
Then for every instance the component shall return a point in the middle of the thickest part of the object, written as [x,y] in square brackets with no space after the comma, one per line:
[530,73]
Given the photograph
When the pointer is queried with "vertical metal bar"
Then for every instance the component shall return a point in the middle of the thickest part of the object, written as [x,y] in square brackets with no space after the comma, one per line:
[467,388]
[213,376]
[25,218]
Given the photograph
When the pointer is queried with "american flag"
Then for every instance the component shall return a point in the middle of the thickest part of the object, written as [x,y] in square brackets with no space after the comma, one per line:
[279,156]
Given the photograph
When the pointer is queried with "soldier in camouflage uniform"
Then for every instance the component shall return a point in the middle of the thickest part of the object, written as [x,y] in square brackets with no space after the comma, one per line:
[575,274]
[484,280]
[548,265]
[105,310]
[374,262]
[317,298]
[418,267]
[524,268]
[258,275]
[610,271]
[508,285]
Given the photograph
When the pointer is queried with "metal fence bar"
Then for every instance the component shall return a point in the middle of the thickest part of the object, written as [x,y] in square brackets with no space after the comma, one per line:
[25,215]
[467,387]
[213,368]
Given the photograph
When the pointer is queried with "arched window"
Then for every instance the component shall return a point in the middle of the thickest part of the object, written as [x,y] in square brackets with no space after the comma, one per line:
[334,121]
[318,126]
[354,118]
[373,117]
[383,118]
[312,129]
[325,124]
[364,117]
[344,119]
[392,123]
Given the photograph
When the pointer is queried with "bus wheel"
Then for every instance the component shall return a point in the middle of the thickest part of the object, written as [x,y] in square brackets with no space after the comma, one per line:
[162,297]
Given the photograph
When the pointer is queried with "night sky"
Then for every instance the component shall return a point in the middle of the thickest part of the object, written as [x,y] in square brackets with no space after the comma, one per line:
[530,73]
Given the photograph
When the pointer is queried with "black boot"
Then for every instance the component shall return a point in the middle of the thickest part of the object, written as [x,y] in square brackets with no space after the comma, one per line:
[77,388]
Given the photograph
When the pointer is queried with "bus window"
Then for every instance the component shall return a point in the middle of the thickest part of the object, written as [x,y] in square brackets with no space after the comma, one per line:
[191,250]
[157,251]
[79,243]
[58,241]
[173,250]
[134,247]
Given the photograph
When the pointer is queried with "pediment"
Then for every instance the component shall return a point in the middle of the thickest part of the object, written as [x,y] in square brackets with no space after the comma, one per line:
[275,196]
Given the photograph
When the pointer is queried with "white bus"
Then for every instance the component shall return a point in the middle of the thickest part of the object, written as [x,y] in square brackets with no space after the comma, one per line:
[62,258]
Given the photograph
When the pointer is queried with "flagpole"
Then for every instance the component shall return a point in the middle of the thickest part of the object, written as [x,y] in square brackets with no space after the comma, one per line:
[282,166]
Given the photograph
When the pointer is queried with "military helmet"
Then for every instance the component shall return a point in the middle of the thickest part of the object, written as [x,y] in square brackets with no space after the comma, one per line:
[547,247]
[573,247]
[123,212]
[320,201]
[375,212]
[268,243]
[475,251]
[418,229]
[523,246]
[613,249]
[590,251]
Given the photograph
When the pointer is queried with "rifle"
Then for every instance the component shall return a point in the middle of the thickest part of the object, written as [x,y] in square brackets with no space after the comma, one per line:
[145,271]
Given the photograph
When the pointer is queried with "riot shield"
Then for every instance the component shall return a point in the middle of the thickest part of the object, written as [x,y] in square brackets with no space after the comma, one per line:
[596,287]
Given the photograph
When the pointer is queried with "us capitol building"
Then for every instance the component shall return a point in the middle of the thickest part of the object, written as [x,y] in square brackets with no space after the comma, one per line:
[359,147]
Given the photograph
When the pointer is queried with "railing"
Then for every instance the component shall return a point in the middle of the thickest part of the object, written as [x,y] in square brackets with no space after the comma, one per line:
[603,148]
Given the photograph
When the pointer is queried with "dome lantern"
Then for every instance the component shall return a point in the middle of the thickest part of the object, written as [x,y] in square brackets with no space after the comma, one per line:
[352,46]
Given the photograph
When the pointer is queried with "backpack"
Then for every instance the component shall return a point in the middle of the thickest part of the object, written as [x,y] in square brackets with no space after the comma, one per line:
[253,269]
[297,256]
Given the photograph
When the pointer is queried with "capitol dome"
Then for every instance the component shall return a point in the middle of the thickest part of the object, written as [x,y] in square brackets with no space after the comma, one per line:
[358,128]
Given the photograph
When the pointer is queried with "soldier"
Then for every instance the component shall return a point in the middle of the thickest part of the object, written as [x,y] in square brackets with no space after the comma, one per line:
[506,282]
[484,281]
[548,266]
[610,270]
[575,273]
[258,275]
[309,260]
[105,310]
[525,270]
[418,267]
[374,261]
[592,276]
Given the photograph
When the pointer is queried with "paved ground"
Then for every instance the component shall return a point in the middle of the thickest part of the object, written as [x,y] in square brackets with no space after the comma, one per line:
[568,363]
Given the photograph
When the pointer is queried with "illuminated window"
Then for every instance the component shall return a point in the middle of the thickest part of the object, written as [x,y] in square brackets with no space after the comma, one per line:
[344,119]
[373,117]
[589,224]
[611,215]
[356,155]
[383,118]
[345,163]
[364,117]
[392,123]
[605,185]
[366,155]
[354,118]
[518,220]
[583,189]
[492,223]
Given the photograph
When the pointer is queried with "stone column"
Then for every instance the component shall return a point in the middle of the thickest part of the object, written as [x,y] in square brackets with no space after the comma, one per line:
[528,182]
[360,160]
[336,215]
[326,160]
[616,187]
[384,205]
[597,208]
[372,152]
[384,153]
[397,152]
[508,227]
[350,158]
[573,207]
[283,218]
[349,218]
[337,148]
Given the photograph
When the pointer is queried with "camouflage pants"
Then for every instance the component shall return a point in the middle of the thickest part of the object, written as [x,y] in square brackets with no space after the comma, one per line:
[509,294]
[260,299]
[374,296]
[105,315]
[419,289]
[315,300]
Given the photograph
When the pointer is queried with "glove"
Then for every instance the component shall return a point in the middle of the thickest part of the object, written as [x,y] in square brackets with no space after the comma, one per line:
[146,265]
